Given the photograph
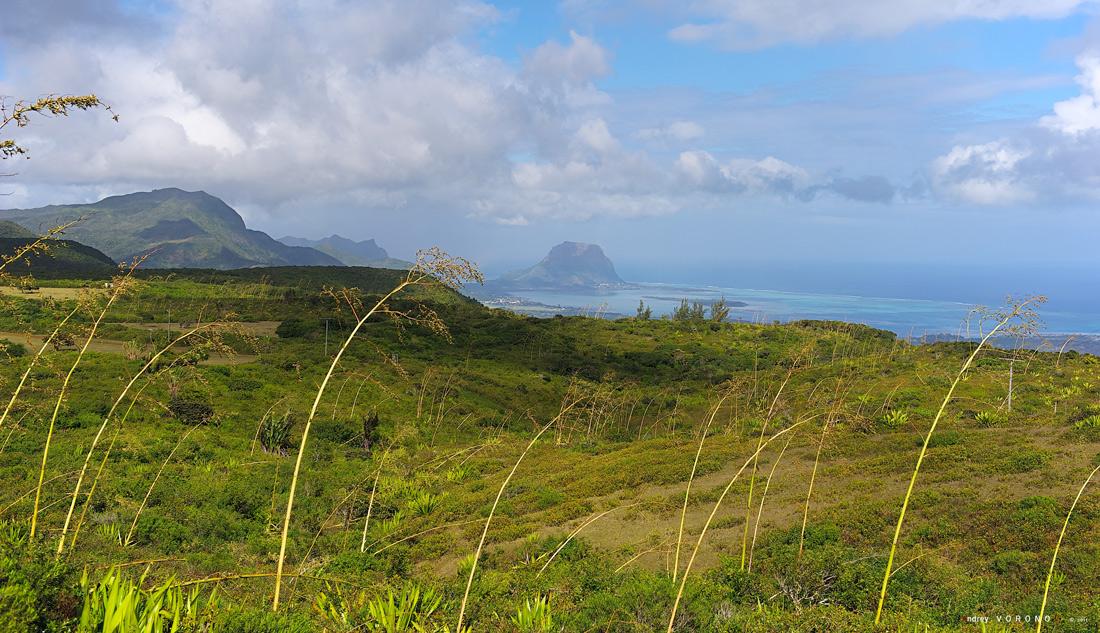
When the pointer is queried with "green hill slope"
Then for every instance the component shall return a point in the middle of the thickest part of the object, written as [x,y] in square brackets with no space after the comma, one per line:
[64,254]
[179,229]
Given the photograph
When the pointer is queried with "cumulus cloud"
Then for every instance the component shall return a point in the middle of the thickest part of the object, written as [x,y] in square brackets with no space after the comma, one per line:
[580,62]
[1081,113]
[982,174]
[386,105]
[700,171]
[752,24]
[1056,159]
[740,175]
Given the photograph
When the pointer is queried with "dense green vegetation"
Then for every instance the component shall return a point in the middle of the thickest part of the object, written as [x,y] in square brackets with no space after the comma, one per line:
[418,429]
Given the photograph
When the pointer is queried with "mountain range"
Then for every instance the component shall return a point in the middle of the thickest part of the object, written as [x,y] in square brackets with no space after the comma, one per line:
[350,252]
[180,229]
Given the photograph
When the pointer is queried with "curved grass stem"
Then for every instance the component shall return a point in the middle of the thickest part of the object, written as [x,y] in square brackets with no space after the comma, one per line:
[691,478]
[107,418]
[1054,558]
[566,406]
[1022,309]
[119,287]
[431,266]
[710,519]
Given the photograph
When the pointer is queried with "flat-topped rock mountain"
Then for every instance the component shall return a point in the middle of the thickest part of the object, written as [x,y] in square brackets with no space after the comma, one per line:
[569,265]
[182,229]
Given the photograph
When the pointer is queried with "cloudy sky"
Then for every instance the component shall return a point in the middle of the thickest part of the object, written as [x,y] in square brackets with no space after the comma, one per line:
[796,143]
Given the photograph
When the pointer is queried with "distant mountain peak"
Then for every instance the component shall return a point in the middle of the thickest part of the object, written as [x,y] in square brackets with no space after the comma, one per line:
[350,252]
[567,265]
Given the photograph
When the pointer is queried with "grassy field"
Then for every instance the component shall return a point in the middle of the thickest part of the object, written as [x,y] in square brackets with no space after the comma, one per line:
[560,449]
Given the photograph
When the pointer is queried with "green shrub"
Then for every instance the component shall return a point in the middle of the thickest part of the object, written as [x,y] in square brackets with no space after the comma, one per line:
[263,621]
[244,384]
[1091,422]
[424,503]
[37,593]
[1023,460]
[12,349]
[534,616]
[548,498]
[894,419]
[947,438]
[190,411]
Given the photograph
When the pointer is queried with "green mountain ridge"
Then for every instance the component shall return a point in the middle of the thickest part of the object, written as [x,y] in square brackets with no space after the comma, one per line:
[63,254]
[172,229]
[350,252]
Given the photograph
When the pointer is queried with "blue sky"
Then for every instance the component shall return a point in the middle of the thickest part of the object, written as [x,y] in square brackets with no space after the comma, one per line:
[740,142]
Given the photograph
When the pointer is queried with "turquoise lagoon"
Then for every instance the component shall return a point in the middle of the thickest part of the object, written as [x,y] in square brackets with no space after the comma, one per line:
[912,318]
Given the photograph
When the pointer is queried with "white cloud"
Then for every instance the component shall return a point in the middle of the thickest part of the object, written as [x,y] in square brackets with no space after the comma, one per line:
[580,62]
[1057,159]
[388,105]
[751,24]
[741,175]
[981,174]
[1081,113]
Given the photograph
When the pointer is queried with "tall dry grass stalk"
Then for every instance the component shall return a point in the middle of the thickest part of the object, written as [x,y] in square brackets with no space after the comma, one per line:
[694,466]
[713,512]
[211,327]
[752,478]
[763,496]
[102,465]
[370,504]
[1020,310]
[121,287]
[568,404]
[577,530]
[432,267]
[817,460]
[1054,558]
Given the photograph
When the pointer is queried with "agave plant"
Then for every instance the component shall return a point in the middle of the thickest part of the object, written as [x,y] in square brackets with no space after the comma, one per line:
[534,616]
[116,604]
[424,503]
[274,433]
[408,609]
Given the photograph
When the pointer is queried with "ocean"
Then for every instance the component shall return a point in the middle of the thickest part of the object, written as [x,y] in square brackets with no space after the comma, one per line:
[911,318]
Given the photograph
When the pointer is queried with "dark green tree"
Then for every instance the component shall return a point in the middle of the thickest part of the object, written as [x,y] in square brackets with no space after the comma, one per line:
[719,312]
[694,311]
